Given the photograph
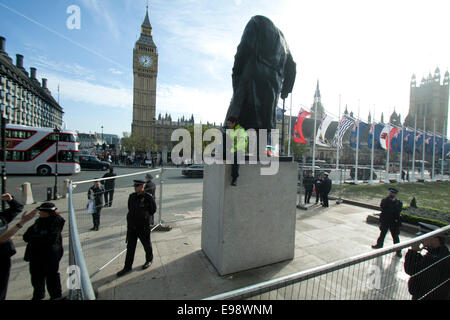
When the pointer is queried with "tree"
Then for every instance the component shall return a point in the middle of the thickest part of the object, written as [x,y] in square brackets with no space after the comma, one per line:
[140,143]
[297,149]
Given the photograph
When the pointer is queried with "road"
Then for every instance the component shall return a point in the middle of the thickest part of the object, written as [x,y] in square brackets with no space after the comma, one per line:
[39,184]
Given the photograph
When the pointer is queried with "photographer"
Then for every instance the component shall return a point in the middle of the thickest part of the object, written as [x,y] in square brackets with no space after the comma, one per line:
[7,249]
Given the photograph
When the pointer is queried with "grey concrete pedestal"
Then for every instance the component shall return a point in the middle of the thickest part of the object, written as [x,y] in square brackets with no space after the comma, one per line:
[252,224]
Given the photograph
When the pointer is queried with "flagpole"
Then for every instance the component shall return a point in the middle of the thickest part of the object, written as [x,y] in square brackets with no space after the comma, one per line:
[423,149]
[314,137]
[357,145]
[401,158]
[289,134]
[337,147]
[413,179]
[373,147]
[386,180]
[443,151]
[434,151]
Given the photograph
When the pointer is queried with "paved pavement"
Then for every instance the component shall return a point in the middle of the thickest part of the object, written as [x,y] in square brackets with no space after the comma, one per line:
[180,269]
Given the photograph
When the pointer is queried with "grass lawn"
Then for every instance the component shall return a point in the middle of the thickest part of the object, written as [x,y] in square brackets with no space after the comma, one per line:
[434,195]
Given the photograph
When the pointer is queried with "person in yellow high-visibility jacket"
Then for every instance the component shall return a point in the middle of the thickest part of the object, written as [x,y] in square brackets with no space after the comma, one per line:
[240,141]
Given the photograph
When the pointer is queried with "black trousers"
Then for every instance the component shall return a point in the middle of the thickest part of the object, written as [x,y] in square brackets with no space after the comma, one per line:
[109,196]
[45,271]
[235,167]
[133,234]
[384,228]
[318,197]
[324,198]
[5,267]
[308,194]
[96,217]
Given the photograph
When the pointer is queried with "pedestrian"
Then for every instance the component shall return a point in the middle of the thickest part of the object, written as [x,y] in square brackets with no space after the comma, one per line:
[141,206]
[95,193]
[429,272]
[44,252]
[239,139]
[109,185]
[403,175]
[308,183]
[7,249]
[150,187]
[391,207]
[325,188]
[317,183]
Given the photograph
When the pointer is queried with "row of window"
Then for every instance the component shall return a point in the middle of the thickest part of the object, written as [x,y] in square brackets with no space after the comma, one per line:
[63,156]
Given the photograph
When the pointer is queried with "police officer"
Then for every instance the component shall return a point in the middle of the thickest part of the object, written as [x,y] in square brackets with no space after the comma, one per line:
[429,272]
[308,183]
[44,252]
[325,188]
[390,219]
[141,206]
[150,187]
[7,249]
[317,182]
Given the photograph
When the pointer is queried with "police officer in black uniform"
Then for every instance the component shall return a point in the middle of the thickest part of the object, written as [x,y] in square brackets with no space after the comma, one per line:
[150,187]
[325,189]
[429,272]
[141,206]
[391,208]
[308,183]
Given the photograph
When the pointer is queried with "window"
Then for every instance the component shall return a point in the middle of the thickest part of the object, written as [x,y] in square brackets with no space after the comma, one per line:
[19,134]
[64,156]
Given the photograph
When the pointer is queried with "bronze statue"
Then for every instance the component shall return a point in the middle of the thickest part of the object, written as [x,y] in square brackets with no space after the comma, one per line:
[263,68]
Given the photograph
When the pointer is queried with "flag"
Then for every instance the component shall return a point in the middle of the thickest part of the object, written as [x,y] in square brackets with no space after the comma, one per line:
[408,141]
[386,136]
[279,113]
[354,135]
[320,137]
[428,144]
[343,126]
[396,140]
[298,131]
[438,145]
[378,128]
[447,148]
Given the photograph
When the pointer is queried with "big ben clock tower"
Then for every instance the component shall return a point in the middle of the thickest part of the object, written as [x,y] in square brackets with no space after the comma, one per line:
[145,71]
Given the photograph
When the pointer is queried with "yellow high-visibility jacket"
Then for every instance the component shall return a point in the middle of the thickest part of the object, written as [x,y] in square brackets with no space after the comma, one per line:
[240,138]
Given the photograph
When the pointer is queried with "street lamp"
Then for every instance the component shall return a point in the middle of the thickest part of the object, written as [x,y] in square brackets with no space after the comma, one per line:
[55,188]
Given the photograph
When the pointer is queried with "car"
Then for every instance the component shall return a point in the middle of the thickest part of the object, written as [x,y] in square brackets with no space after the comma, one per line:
[363,173]
[195,170]
[92,162]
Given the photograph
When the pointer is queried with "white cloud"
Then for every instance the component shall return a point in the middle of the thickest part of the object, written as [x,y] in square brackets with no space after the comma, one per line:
[103,14]
[115,71]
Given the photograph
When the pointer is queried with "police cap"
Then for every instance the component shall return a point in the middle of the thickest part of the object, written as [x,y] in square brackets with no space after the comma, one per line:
[137,183]
[393,190]
[47,207]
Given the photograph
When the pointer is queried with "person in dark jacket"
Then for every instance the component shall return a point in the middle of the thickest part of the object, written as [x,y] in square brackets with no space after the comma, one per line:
[263,68]
[308,183]
[317,182]
[109,186]
[325,188]
[150,187]
[430,272]
[7,249]
[44,252]
[141,206]
[96,193]
[391,208]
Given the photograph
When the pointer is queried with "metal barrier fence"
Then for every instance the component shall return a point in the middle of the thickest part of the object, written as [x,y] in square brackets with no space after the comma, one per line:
[91,251]
[371,276]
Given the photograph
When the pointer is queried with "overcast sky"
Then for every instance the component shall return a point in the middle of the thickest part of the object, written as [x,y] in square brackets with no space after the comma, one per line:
[366,51]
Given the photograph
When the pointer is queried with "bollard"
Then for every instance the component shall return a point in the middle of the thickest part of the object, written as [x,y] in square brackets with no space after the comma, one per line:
[66,187]
[27,194]
[49,194]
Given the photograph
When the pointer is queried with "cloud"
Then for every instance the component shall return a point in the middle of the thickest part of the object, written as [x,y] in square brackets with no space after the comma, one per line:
[115,71]
[102,14]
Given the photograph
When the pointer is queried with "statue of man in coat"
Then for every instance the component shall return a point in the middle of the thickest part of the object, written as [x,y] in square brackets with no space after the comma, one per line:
[263,69]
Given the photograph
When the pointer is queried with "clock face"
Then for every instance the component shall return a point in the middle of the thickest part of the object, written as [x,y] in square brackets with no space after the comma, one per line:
[145,61]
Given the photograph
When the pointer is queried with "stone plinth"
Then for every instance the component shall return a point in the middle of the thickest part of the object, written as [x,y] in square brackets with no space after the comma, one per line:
[252,224]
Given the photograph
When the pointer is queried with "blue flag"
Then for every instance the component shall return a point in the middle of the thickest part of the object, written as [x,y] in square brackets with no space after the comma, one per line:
[396,142]
[353,136]
[408,141]
[378,129]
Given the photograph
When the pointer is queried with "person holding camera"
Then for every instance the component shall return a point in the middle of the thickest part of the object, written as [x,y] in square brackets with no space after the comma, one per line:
[7,249]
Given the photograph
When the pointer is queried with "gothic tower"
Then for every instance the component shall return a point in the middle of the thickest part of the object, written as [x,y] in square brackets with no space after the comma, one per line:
[145,71]
[429,102]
